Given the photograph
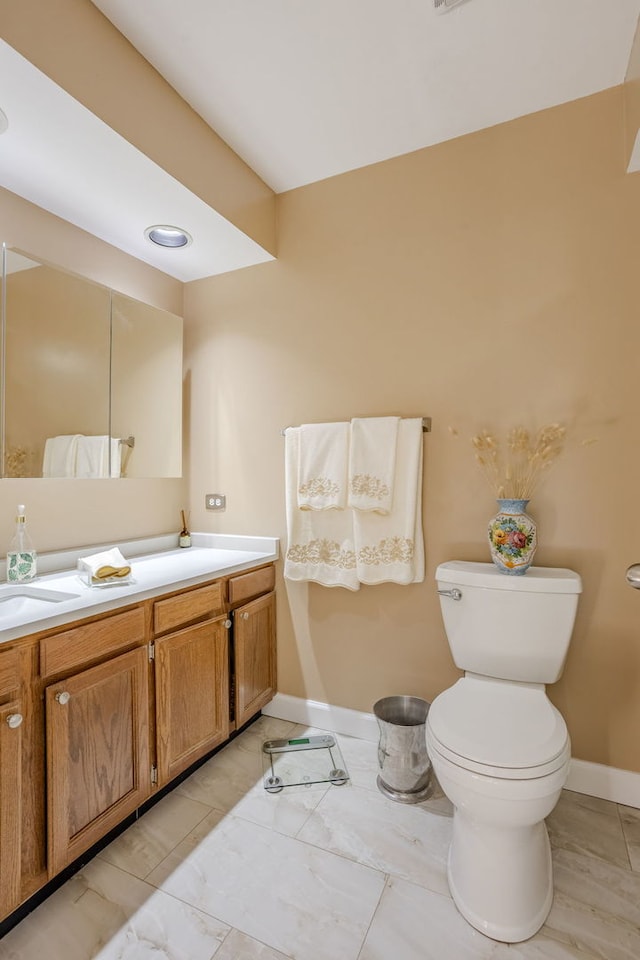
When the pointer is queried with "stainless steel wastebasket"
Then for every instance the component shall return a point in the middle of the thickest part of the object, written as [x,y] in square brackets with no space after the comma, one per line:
[405,768]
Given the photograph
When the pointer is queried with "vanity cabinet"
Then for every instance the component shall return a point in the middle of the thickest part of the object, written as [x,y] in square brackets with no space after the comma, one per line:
[254,657]
[11,729]
[191,678]
[97,732]
[98,715]
[254,642]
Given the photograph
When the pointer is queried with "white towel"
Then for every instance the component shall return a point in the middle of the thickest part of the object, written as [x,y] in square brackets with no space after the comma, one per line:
[372,463]
[60,456]
[116,457]
[319,542]
[322,466]
[390,548]
[93,457]
[106,567]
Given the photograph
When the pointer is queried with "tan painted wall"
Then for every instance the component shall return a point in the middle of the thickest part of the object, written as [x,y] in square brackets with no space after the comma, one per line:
[69,513]
[80,50]
[488,281]
[48,238]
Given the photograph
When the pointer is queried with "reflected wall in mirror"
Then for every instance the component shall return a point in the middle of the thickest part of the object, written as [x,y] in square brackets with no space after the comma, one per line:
[146,387]
[84,369]
[56,362]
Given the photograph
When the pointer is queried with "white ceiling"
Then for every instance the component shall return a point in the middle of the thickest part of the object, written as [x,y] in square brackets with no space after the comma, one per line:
[302,91]
[58,155]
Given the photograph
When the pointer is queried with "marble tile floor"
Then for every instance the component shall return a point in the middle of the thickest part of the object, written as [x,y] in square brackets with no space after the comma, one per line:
[221,869]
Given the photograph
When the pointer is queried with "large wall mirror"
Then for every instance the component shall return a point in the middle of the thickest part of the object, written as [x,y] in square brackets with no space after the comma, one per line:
[91,380]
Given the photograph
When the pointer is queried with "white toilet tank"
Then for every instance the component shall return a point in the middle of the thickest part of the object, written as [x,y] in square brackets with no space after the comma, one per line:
[508,627]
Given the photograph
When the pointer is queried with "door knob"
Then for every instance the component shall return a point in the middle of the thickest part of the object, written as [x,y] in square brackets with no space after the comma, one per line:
[633,575]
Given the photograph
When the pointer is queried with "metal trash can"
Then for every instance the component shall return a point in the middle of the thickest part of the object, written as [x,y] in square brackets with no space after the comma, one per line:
[405,768]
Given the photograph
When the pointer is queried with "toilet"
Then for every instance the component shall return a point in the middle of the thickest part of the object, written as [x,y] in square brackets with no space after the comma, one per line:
[498,746]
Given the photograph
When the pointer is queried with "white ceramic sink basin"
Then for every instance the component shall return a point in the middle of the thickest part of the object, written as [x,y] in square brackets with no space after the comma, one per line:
[24,598]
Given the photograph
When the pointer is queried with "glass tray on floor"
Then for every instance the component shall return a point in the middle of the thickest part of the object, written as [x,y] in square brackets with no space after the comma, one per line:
[301,762]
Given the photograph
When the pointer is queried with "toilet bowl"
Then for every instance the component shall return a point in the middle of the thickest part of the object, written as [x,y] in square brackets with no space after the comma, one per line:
[498,746]
[499,867]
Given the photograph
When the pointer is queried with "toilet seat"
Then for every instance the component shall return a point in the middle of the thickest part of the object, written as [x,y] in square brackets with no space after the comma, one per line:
[436,749]
[498,728]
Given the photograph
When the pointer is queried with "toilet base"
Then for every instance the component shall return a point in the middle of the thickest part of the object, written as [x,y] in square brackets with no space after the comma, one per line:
[487,881]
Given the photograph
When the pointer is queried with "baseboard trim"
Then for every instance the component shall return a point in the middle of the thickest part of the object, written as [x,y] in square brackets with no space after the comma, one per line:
[594,779]
[352,723]
[608,783]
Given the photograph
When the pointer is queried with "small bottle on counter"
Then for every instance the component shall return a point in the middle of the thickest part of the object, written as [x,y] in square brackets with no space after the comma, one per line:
[185,536]
[21,556]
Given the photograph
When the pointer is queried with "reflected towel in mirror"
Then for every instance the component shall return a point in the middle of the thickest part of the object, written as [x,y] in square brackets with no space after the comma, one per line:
[93,457]
[60,455]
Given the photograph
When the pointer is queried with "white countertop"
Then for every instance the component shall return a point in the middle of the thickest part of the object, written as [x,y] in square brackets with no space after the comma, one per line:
[210,556]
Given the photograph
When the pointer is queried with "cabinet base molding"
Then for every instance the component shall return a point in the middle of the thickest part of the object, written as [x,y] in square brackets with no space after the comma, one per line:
[28,906]
[594,779]
[93,727]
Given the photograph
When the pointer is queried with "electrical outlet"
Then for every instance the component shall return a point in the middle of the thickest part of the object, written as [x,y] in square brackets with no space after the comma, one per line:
[215,501]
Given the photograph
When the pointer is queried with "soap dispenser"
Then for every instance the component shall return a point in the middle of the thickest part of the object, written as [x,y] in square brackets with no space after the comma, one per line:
[21,556]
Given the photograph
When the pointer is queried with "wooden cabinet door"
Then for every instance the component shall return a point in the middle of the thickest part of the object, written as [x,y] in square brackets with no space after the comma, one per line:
[10,805]
[192,695]
[98,768]
[254,637]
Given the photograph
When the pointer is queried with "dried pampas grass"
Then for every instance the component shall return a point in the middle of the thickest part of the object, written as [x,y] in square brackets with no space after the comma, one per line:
[514,472]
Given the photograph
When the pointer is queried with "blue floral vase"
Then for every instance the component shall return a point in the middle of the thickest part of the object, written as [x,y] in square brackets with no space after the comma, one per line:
[512,537]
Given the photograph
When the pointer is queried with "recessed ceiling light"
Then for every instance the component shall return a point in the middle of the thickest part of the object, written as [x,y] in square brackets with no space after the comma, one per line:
[4,123]
[166,236]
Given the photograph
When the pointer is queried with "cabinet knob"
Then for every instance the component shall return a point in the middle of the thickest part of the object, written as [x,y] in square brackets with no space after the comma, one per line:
[227,624]
[14,720]
[63,697]
[245,616]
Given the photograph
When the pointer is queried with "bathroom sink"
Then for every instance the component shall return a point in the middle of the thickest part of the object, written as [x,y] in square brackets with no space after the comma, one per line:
[22,598]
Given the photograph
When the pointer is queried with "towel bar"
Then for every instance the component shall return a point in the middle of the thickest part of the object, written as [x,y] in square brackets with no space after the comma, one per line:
[426,426]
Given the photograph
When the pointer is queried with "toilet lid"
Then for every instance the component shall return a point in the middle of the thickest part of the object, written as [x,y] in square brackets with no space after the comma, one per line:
[497,723]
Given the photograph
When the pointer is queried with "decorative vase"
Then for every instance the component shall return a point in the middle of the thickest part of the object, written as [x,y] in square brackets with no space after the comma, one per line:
[512,537]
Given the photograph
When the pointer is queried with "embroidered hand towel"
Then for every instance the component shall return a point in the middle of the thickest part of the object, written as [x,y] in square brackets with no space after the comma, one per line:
[319,542]
[60,456]
[322,466]
[372,463]
[390,548]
